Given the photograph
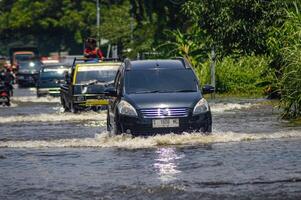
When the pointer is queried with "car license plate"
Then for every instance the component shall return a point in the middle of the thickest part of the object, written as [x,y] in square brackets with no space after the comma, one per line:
[165,123]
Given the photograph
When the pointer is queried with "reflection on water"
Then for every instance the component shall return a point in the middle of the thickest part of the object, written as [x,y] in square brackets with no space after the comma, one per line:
[166,164]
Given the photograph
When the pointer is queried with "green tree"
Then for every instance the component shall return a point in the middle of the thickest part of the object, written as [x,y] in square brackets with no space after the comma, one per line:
[234,26]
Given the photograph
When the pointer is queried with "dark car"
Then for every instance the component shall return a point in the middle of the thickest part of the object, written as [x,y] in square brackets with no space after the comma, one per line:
[50,78]
[157,96]
[28,71]
[85,85]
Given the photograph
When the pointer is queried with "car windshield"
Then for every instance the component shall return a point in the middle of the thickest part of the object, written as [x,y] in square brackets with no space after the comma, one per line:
[30,65]
[100,73]
[20,57]
[53,72]
[160,81]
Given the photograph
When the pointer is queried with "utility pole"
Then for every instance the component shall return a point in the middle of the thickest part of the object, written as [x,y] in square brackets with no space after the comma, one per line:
[98,22]
[131,23]
[212,70]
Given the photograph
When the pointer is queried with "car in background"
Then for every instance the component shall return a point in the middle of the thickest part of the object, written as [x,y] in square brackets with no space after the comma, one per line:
[28,71]
[19,54]
[51,76]
[85,85]
[157,96]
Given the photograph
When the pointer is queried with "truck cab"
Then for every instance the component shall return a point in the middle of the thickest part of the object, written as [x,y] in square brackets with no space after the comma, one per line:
[85,85]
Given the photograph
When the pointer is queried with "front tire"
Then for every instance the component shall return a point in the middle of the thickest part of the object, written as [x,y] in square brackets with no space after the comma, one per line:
[63,103]
[207,129]
[73,108]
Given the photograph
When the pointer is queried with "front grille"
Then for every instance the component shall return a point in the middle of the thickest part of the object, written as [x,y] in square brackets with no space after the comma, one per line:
[165,112]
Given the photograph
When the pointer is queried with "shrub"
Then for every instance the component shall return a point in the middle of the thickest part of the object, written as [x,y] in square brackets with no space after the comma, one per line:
[244,75]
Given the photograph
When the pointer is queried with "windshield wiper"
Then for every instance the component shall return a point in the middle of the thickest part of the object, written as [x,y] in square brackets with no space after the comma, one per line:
[93,82]
[187,90]
[147,91]
[164,91]
[153,91]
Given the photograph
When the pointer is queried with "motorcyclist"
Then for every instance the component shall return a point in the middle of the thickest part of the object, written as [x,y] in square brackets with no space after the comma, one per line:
[91,49]
[7,79]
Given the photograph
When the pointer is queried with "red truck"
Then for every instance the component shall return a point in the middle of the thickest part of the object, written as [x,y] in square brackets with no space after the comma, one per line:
[18,54]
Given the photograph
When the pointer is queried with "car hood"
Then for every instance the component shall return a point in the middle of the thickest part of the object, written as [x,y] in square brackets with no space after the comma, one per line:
[51,82]
[164,100]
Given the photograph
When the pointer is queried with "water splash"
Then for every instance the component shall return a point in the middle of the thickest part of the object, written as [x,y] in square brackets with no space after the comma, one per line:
[33,99]
[54,117]
[103,140]
[222,107]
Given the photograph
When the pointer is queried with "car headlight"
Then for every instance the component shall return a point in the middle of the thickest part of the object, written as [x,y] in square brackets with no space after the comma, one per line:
[80,98]
[125,108]
[201,107]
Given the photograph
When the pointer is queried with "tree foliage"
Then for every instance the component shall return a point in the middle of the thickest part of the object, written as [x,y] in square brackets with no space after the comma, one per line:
[234,26]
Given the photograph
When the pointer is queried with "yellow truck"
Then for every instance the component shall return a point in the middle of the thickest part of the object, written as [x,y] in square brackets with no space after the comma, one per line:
[84,86]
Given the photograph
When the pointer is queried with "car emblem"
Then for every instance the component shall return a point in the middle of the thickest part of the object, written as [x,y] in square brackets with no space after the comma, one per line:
[165,112]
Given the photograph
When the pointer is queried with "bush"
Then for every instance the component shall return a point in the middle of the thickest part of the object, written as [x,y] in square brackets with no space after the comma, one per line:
[244,75]
[290,85]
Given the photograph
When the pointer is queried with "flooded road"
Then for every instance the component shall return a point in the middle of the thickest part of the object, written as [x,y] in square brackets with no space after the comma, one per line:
[48,154]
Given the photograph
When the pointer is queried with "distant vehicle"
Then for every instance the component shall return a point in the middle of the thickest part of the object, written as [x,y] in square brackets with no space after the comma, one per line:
[28,71]
[68,59]
[50,60]
[19,54]
[84,87]
[157,96]
[51,76]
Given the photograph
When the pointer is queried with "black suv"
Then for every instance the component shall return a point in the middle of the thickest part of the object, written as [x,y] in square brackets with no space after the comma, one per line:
[157,96]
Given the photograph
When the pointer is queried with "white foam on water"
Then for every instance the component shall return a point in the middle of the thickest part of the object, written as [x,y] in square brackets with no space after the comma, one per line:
[54,117]
[98,123]
[13,105]
[127,141]
[33,99]
[222,107]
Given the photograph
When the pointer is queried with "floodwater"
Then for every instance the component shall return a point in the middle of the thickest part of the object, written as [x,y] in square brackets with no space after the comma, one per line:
[48,154]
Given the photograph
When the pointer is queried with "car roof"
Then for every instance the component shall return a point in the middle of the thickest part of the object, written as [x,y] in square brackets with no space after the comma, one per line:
[49,65]
[157,64]
[98,64]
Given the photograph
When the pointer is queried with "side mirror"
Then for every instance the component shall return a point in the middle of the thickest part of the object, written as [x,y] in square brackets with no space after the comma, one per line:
[111,92]
[208,89]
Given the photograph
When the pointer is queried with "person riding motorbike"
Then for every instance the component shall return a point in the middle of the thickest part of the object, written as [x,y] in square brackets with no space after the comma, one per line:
[91,49]
[7,79]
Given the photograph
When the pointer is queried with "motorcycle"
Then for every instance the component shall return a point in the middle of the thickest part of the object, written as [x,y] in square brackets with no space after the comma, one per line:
[4,95]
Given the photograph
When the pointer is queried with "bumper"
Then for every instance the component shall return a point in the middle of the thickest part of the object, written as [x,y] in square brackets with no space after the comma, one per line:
[48,91]
[90,101]
[29,80]
[142,126]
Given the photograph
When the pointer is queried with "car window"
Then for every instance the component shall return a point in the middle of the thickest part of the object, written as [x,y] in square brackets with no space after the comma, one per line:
[20,57]
[102,74]
[30,65]
[163,80]
[53,72]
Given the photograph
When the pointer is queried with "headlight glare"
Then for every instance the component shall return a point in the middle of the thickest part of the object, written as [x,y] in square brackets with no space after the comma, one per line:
[125,108]
[201,107]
